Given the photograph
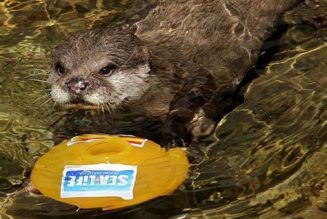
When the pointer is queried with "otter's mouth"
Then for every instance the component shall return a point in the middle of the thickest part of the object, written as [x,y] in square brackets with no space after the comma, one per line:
[79,104]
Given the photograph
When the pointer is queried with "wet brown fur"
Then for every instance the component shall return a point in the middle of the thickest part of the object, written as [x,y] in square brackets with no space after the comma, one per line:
[198,52]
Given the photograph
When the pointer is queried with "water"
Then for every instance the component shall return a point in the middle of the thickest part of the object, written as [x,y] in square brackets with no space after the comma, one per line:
[267,157]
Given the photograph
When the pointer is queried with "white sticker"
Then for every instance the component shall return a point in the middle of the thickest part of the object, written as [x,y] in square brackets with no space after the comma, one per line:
[126,136]
[82,139]
[134,141]
[137,143]
[98,180]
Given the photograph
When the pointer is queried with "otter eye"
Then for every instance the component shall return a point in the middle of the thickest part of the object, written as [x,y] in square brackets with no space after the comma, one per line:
[59,68]
[106,71]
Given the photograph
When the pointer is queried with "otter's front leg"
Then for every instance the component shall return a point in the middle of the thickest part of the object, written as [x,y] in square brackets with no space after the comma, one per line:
[204,121]
[196,108]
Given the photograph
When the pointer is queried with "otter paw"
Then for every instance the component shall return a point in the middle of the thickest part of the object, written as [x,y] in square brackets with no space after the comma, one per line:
[201,126]
[30,188]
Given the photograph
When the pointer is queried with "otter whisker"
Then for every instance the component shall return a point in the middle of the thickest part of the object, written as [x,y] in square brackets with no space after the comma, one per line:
[39,98]
[98,108]
[46,101]
[101,108]
[109,111]
[37,72]
[108,107]
[39,80]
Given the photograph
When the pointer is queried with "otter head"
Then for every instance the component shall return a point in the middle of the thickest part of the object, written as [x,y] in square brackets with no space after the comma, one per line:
[100,67]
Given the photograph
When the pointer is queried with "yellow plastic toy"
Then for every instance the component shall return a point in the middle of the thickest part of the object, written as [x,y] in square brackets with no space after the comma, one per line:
[92,171]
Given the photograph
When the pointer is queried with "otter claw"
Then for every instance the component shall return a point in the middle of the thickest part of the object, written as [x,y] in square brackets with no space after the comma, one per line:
[201,126]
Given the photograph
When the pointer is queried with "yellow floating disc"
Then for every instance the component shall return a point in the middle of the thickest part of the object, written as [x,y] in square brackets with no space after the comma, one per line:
[92,171]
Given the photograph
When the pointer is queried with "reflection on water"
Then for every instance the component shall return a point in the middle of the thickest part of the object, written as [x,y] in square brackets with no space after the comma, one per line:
[267,158]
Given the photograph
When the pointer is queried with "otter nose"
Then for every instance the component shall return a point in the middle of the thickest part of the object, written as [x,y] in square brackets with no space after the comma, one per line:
[76,85]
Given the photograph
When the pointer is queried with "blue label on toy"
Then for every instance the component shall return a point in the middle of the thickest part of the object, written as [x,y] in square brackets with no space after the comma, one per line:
[98,180]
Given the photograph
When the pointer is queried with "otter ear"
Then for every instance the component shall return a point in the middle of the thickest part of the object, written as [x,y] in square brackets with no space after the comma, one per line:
[144,53]
[145,56]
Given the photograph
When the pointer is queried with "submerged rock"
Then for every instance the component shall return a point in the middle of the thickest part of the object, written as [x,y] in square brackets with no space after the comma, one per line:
[22,141]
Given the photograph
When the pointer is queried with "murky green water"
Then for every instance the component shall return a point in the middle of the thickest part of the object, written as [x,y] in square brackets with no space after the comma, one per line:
[267,159]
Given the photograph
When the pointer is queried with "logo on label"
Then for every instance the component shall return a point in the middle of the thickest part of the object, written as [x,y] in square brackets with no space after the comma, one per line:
[98,180]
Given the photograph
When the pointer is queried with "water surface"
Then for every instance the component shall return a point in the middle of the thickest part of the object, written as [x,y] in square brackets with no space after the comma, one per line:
[266,159]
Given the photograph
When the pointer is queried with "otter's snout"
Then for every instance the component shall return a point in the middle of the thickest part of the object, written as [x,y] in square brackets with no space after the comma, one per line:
[77,85]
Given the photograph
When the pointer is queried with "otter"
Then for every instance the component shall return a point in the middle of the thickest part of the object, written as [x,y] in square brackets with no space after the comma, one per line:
[182,62]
